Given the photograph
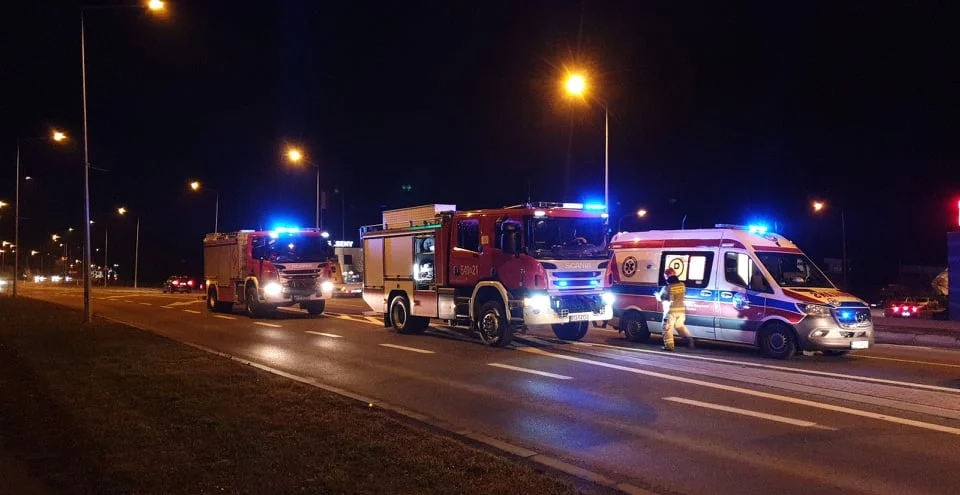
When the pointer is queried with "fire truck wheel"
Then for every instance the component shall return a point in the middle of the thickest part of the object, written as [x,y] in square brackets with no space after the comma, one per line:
[493,325]
[634,327]
[402,320]
[252,302]
[314,307]
[777,341]
[571,331]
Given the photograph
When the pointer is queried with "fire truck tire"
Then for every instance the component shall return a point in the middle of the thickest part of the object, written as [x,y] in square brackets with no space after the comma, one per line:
[251,302]
[571,331]
[493,325]
[402,320]
[777,340]
[314,307]
[634,327]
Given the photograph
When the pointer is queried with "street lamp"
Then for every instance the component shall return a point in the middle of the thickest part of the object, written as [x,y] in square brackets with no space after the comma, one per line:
[295,156]
[155,6]
[59,137]
[196,186]
[818,207]
[641,213]
[136,253]
[576,86]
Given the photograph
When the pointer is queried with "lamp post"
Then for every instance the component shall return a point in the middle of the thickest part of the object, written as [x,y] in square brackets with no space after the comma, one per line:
[818,207]
[576,85]
[154,6]
[197,186]
[136,252]
[641,213]
[295,156]
[58,137]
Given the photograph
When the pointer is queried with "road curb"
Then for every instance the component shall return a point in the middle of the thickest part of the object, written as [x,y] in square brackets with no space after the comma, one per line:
[916,339]
[505,448]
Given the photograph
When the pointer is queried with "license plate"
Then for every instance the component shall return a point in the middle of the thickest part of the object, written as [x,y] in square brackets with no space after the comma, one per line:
[859,344]
[580,317]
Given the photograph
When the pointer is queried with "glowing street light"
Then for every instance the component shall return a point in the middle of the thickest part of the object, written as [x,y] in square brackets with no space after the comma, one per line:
[2,204]
[820,206]
[55,237]
[641,213]
[576,85]
[296,156]
[197,186]
[155,5]
[122,210]
[59,136]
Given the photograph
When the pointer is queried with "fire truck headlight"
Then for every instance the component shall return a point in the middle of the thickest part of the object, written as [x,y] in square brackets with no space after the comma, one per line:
[540,302]
[272,289]
[608,298]
[326,286]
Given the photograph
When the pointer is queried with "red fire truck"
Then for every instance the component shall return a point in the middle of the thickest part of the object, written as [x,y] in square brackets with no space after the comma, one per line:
[266,270]
[495,270]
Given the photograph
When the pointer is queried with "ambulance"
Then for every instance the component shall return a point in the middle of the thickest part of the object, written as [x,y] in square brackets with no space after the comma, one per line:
[744,285]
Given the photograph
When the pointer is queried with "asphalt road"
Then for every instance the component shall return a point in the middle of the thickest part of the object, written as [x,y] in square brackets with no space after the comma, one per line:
[711,420]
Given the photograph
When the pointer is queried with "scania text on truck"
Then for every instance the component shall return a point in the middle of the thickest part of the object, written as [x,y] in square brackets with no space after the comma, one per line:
[268,269]
[495,270]
[744,285]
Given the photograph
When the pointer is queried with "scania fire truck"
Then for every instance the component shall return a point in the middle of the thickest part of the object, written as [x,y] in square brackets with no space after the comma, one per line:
[495,270]
[265,270]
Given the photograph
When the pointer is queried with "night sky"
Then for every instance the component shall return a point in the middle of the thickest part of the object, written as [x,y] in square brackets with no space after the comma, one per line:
[723,112]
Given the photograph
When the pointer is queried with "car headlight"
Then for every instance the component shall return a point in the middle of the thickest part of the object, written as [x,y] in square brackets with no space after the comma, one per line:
[326,286]
[539,302]
[814,309]
[608,298]
[272,289]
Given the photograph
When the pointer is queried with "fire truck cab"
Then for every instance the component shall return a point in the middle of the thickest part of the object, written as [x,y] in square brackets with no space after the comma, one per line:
[493,270]
[268,269]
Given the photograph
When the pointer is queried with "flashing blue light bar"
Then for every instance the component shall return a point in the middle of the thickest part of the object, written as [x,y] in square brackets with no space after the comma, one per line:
[286,230]
[578,206]
[758,229]
[562,283]
[596,206]
[594,282]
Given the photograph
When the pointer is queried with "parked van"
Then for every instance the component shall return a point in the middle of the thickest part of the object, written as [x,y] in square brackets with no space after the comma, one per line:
[744,285]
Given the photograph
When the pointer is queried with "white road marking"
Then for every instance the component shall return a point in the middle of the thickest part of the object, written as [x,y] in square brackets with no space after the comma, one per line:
[224,317]
[528,370]
[146,304]
[792,370]
[325,334]
[191,311]
[411,349]
[747,412]
[184,303]
[131,302]
[946,365]
[264,324]
[168,307]
[754,393]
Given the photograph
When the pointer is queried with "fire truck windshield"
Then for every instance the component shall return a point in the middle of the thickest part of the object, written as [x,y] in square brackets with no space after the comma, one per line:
[297,248]
[567,237]
[793,270]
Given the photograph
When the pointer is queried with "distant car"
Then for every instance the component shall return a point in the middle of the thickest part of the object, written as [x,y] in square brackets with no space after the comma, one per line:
[178,283]
[912,307]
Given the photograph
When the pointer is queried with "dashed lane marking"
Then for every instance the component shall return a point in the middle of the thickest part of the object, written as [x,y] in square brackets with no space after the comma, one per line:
[747,412]
[224,317]
[532,372]
[191,311]
[411,349]
[333,335]
[264,324]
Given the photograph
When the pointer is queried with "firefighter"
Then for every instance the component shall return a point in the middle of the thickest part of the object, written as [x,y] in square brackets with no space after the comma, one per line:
[673,318]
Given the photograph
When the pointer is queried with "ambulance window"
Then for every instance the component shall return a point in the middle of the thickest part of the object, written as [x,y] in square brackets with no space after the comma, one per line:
[693,268]
[468,235]
[741,271]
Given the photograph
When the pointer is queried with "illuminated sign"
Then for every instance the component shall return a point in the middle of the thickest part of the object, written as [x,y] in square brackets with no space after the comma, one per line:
[344,244]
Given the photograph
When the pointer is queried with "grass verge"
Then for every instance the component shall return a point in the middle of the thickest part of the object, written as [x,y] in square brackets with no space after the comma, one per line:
[111,409]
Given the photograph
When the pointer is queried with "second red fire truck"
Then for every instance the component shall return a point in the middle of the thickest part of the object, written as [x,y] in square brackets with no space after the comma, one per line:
[493,270]
[266,270]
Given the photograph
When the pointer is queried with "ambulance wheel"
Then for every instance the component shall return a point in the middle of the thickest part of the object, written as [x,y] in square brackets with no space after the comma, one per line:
[493,325]
[634,327]
[777,341]
[401,319]
[571,331]
[314,307]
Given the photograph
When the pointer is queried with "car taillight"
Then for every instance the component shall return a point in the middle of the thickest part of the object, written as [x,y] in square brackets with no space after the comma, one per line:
[176,282]
[190,283]
[914,309]
[895,308]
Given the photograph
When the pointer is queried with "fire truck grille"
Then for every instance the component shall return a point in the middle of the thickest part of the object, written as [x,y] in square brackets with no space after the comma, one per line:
[578,304]
[302,284]
[300,272]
